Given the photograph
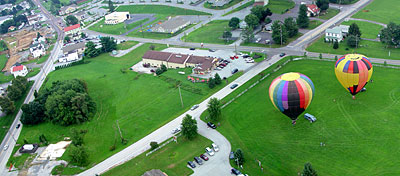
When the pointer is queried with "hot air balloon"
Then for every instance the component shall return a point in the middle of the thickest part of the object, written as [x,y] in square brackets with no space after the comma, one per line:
[353,71]
[291,93]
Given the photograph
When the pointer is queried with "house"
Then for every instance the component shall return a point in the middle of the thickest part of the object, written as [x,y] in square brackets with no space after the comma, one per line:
[74,29]
[78,48]
[81,15]
[336,33]
[172,25]
[156,58]
[116,17]
[312,10]
[98,11]
[6,7]
[11,28]
[73,56]
[67,9]
[37,50]
[242,25]
[19,70]
[202,65]
[5,18]
[25,5]
[260,2]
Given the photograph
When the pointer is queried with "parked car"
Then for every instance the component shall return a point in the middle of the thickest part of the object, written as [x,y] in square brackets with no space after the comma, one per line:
[236,57]
[211,50]
[5,147]
[209,151]
[198,160]
[231,156]
[176,130]
[250,61]
[310,117]
[211,125]
[246,56]
[282,54]
[152,71]
[235,71]
[192,48]
[194,107]
[217,68]
[18,126]
[204,157]
[223,64]
[235,171]
[191,164]
[215,147]
[234,86]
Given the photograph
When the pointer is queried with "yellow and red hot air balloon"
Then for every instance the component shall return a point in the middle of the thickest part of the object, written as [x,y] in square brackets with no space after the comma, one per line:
[291,93]
[353,71]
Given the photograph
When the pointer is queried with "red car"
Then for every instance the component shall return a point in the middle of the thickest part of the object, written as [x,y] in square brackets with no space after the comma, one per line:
[204,157]
[237,57]
[232,57]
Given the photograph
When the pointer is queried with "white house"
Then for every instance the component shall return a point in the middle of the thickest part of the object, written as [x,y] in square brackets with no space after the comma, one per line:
[312,10]
[37,50]
[69,58]
[172,25]
[336,34]
[19,70]
[74,29]
[116,17]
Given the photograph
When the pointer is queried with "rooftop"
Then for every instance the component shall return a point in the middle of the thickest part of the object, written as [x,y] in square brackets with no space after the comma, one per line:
[178,58]
[17,68]
[157,55]
[72,27]
[171,24]
[73,47]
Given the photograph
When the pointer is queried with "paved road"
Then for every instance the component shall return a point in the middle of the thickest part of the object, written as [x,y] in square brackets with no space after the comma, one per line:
[123,52]
[370,21]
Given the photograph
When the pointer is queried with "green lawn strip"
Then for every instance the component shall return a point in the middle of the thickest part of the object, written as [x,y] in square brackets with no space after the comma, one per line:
[32,73]
[144,100]
[368,48]
[115,29]
[18,162]
[161,9]
[280,6]
[126,45]
[3,61]
[368,30]
[273,45]
[247,4]
[171,159]
[210,33]
[341,125]
[263,55]
[230,4]
[383,11]
[6,121]
[331,12]
[314,24]
[5,79]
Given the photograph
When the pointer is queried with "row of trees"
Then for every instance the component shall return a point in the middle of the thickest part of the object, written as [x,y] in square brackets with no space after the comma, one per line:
[78,153]
[212,82]
[257,16]
[12,11]
[64,103]
[16,21]
[390,36]
[282,31]
[108,44]
[342,1]
[18,87]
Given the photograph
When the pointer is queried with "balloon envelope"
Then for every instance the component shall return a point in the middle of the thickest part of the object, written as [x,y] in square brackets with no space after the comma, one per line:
[353,71]
[291,93]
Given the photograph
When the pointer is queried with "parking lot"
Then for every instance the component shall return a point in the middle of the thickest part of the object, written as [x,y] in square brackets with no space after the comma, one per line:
[238,63]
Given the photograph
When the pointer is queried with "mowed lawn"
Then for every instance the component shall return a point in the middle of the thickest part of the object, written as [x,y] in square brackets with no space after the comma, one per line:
[159,9]
[383,11]
[140,102]
[328,14]
[280,6]
[209,33]
[368,48]
[171,159]
[247,4]
[368,30]
[116,29]
[126,45]
[361,136]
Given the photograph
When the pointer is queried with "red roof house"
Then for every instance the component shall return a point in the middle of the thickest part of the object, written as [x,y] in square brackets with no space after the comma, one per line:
[312,10]
[17,68]
[70,28]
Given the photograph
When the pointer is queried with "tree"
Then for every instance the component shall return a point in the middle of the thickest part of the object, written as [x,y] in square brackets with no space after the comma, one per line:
[251,20]
[17,88]
[390,35]
[258,11]
[354,30]
[152,47]
[91,50]
[279,33]
[308,170]
[78,155]
[302,19]
[158,71]
[336,45]
[7,106]
[239,157]
[211,83]
[267,12]
[323,4]
[71,20]
[320,55]
[153,145]
[214,109]
[67,39]
[226,35]
[291,27]
[247,34]
[107,44]
[234,23]
[83,35]
[76,137]
[353,41]
[267,20]
[217,79]
[163,68]
[38,35]
[189,127]
[33,113]
[111,7]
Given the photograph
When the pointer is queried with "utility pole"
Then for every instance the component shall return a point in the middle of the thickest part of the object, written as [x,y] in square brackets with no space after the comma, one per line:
[235,49]
[281,35]
[119,129]
[180,94]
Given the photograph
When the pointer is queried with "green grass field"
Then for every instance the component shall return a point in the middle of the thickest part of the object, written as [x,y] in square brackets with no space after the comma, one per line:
[358,134]
[4,78]
[230,4]
[280,6]
[3,61]
[126,45]
[368,48]
[140,102]
[209,33]
[313,24]
[247,4]
[171,159]
[331,12]
[32,73]
[368,30]
[383,11]
[116,29]
[161,9]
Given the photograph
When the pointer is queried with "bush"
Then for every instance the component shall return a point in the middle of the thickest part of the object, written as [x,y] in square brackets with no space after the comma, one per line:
[112,148]
[153,145]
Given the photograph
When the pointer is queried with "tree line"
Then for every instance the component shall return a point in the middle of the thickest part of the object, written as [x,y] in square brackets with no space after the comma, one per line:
[108,44]
[15,21]
[15,91]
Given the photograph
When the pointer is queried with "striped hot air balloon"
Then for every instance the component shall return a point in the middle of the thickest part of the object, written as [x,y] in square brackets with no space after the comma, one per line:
[291,93]
[353,71]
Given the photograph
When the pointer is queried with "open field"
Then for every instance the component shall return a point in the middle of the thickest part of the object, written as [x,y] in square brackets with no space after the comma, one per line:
[126,45]
[383,11]
[209,33]
[368,48]
[355,132]
[368,30]
[313,24]
[280,6]
[161,9]
[140,102]
[116,29]
[247,4]
[171,159]
[230,4]
[331,12]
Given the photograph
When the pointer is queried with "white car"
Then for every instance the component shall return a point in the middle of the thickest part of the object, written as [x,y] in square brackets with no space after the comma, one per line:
[209,151]
[5,147]
[194,107]
[215,147]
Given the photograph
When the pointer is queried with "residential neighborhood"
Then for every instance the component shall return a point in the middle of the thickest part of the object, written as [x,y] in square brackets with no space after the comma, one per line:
[192,87]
